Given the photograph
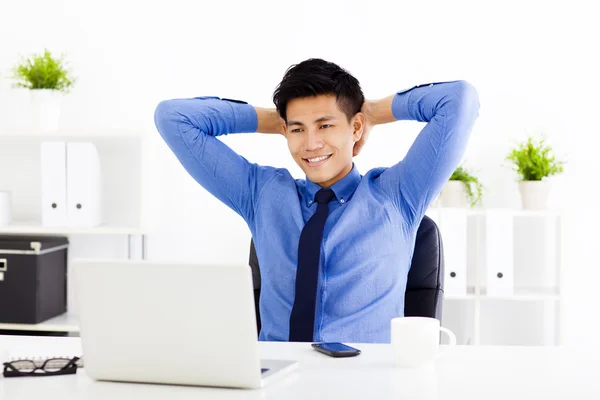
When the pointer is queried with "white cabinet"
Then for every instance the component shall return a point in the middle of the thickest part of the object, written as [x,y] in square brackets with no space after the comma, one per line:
[127,163]
[523,306]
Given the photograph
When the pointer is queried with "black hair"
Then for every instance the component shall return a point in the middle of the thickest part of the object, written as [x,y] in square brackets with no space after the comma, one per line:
[315,77]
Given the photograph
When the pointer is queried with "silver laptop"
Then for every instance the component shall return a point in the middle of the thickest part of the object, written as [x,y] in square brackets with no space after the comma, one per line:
[171,323]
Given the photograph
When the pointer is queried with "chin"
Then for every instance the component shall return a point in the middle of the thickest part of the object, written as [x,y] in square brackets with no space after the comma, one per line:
[319,178]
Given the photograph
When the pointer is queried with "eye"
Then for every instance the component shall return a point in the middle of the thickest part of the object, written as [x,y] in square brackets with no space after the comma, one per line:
[326,126]
[297,130]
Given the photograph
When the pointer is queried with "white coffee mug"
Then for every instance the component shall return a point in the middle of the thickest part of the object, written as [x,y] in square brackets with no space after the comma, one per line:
[416,340]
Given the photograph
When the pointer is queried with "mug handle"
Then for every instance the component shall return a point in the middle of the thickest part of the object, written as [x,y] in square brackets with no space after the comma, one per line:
[452,338]
[451,335]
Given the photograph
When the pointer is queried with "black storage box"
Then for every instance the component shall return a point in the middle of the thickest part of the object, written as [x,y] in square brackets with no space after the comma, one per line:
[33,278]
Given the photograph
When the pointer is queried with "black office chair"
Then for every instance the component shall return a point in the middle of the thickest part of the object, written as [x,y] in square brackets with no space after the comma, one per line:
[425,286]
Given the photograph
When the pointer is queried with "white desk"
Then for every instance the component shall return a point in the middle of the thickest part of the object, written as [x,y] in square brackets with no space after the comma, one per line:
[468,372]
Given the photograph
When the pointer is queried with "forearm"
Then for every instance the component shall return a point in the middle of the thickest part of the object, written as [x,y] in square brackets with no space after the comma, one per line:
[445,99]
[422,102]
[216,116]
[212,116]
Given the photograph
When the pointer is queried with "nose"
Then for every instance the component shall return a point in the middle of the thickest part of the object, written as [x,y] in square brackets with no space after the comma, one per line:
[313,141]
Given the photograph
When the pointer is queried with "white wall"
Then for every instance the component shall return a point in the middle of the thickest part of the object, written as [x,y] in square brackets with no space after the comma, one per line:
[533,62]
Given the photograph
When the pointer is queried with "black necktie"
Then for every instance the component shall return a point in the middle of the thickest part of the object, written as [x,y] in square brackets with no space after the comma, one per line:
[302,318]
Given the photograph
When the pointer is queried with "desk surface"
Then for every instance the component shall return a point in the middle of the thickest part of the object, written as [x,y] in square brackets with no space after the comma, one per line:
[466,372]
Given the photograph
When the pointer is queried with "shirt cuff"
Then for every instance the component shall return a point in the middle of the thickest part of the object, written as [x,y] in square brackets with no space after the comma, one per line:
[246,120]
[236,116]
[401,106]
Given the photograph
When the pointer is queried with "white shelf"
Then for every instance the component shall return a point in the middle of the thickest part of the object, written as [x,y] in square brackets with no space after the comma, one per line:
[533,213]
[73,133]
[520,294]
[533,294]
[35,228]
[514,212]
[62,323]
[470,295]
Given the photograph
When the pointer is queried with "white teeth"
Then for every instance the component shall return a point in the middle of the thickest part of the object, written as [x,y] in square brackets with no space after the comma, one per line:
[317,159]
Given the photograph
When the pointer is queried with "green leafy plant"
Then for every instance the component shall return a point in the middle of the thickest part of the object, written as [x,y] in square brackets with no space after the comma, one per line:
[472,184]
[43,71]
[533,160]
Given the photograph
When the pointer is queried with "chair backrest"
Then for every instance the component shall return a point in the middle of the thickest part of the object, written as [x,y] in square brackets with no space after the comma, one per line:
[425,285]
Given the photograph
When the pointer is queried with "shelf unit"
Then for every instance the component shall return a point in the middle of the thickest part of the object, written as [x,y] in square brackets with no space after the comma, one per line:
[35,228]
[72,133]
[532,294]
[520,294]
[127,158]
[62,324]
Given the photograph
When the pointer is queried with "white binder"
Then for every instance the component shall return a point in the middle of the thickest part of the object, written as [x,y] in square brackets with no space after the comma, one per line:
[499,252]
[453,228]
[53,159]
[83,185]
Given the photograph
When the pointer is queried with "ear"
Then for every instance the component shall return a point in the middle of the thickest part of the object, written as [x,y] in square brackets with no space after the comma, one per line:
[284,128]
[358,126]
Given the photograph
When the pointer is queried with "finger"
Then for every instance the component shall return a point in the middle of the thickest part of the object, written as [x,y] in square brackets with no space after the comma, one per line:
[357,148]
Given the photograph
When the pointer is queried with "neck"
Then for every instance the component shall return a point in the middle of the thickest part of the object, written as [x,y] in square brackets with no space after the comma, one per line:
[338,177]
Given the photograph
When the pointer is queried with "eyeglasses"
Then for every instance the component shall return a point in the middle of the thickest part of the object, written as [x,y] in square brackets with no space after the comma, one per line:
[49,367]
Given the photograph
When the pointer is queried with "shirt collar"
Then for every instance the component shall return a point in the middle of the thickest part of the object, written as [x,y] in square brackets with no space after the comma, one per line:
[343,189]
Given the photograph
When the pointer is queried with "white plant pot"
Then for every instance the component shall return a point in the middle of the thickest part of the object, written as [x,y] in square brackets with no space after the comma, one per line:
[534,194]
[45,107]
[454,194]
[5,208]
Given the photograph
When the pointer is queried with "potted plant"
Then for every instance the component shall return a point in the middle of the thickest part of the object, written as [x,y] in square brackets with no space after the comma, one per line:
[462,189]
[47,79]
[534,163]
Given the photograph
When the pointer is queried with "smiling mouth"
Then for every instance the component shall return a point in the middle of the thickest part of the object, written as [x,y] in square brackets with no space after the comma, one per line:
[317,161]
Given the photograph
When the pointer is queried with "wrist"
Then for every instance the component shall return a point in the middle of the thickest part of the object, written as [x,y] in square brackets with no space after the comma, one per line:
[269,120]
[380,111]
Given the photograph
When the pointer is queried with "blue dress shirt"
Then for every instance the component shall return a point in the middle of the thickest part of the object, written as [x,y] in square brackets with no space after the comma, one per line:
[369,236]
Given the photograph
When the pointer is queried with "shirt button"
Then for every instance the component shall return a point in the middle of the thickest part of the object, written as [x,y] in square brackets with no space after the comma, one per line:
[310,202]
[431,84]
[342,201]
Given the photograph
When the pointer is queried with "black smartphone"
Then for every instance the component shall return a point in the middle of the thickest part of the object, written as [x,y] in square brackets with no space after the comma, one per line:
[336,349]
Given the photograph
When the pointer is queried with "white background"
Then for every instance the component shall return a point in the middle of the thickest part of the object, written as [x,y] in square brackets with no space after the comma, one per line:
[534,64]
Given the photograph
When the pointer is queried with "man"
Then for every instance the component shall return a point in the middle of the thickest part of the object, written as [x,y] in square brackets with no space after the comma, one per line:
[334,248]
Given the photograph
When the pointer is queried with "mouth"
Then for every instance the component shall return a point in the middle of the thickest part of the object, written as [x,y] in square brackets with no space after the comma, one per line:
[316,161]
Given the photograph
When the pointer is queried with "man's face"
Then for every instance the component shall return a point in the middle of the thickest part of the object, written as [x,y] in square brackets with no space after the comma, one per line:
[321,139]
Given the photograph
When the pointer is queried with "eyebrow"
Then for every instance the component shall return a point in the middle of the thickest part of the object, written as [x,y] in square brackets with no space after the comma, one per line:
[322,119]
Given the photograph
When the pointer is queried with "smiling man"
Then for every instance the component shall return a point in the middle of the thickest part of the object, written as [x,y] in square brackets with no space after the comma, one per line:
[334,248]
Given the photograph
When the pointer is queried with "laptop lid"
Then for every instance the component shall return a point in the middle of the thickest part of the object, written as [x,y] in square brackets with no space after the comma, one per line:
[143,321]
